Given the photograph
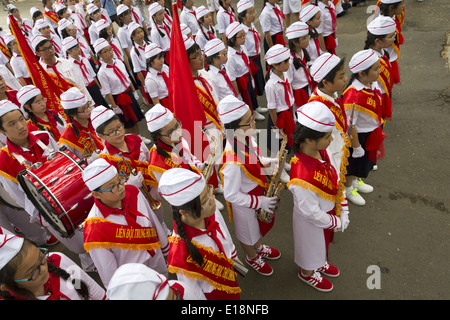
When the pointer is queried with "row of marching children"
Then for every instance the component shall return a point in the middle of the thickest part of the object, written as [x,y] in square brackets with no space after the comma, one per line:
[330,151]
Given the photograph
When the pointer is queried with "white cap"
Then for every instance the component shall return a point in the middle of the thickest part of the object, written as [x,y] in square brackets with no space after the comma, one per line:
[68,43]
[37,39]
[244,5]
[100,44]
[8,38]
[154,8]
[7,106]
[63,24]
[26,93]
[152,50]
[101,24]
[201,12]
[214,46]
[188,42]
[121,8]
[91,8]
[133,26]
[59,6]
[10,246]
[98,173]
[179,186]
[157,117]
[33,10]
[323,65]
[363,60]
[316,116]
[99,115]
[73,98]
[276,54]
[185,30]
[232,29]
[308,12]
[41,23]
[382,25]
[136,281]
[231,108]
[296,30]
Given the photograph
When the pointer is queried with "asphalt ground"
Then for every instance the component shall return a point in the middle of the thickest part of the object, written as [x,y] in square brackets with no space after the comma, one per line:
[397,245]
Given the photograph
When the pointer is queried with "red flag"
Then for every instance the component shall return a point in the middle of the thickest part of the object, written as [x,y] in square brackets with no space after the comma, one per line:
[41,79]
[183,92]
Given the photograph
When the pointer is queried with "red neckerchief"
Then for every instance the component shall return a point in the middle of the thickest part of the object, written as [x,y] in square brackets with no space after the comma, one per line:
[333,17]
[116,50]
[12,96]
[165,77]
[83,68]
[227,79]
[280,15]
[129,206]
[244,57]
[231,14]
[212,228]
[257,38]
[52,123]
[118,73]
[134,146]
[287,90]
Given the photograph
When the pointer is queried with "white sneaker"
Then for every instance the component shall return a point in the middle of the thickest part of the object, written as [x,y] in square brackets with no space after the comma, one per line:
[285,177]
[361,186]
[219,205]
[145,140]
[259,116]
[375,168]
[354,197]
[262,110]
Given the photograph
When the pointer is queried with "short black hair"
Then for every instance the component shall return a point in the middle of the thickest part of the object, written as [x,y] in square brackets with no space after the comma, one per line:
[301,133]
[101,128]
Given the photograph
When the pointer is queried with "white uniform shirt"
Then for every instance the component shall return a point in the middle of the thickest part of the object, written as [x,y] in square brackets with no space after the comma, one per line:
[313,50]
[202,38]
[326,18]
[224,19]
[163,42]
[139,62]
[219,83]
[298,76]
[108,260]
[252,48]
[155,85]
[69,73]
[269,20]
[188,18]
[110,82]
[275,93]
[19,67]
[235,65]
[89,73]
[124,37]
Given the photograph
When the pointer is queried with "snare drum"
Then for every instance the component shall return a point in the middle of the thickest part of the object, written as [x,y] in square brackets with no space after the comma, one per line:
[57,190]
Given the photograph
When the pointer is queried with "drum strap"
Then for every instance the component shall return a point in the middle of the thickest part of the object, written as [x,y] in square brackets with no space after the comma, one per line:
[42,145]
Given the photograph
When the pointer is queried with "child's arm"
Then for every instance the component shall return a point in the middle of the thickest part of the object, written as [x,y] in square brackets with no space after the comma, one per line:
[268,38]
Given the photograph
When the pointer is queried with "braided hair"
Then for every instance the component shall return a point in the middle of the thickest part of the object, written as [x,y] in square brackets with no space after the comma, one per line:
[70,114]
[32,117]
[193,206]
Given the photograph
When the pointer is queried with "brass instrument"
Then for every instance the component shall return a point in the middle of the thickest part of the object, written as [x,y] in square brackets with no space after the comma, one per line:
[274,187]
[87,152]
[154,204]
[208,170]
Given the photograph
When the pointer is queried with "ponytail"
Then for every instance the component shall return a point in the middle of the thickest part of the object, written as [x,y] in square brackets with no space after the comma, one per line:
[194,206]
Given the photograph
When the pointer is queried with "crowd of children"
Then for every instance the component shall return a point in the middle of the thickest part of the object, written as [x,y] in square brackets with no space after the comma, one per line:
[333,128]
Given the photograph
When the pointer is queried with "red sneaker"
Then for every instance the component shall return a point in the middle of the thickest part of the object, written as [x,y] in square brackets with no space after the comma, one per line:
[329,270]
[269,252]
[259,265]
[51,241]
[316,281]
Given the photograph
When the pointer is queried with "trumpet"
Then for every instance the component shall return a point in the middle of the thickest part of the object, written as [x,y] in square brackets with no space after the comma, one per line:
[154,204]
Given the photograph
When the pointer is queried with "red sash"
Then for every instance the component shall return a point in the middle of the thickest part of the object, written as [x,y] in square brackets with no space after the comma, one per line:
[79,143]
[374,145]
[301,97]
[102,233]
[367,101]
[319,177]
[217,269]
[51,125]
[52,16]
[209,105]
[5,50]
[385,77]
